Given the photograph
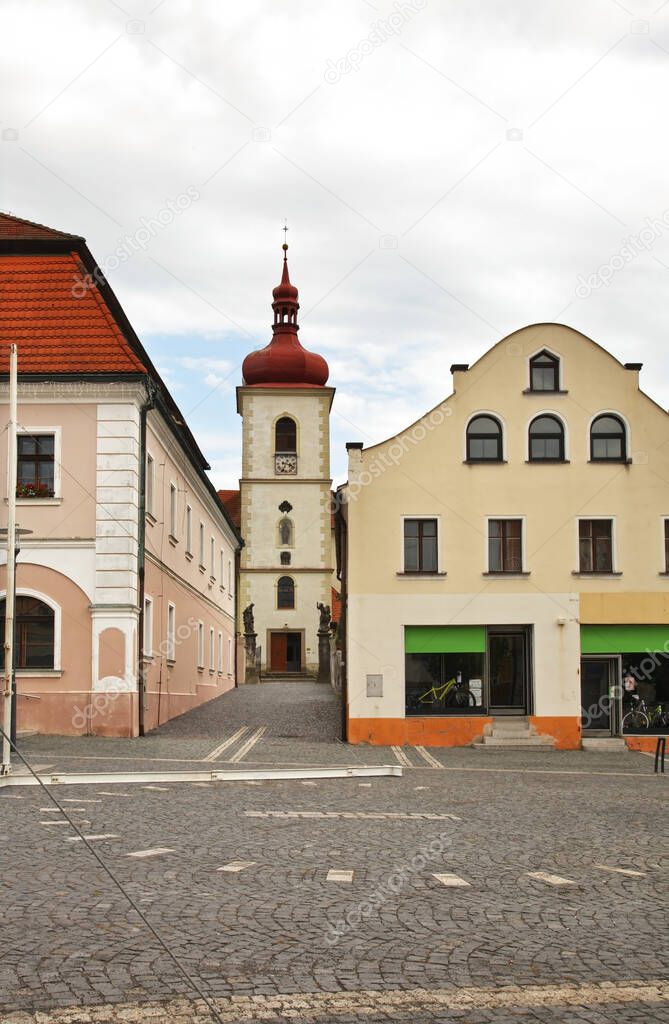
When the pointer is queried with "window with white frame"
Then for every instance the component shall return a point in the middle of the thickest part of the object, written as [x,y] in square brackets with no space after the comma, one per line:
[222,570]
[230,578]
[38,463]
[212,636]
[201,552]
[173,510]
[220,652]
[212,558]
[149,483]
[200,645]
[230,656]
[189,530]
[148,626]
[171,632]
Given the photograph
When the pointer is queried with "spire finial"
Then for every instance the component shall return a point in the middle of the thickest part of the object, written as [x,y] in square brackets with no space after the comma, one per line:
[285,238]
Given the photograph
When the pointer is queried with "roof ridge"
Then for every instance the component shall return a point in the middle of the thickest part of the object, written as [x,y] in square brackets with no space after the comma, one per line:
[53,232]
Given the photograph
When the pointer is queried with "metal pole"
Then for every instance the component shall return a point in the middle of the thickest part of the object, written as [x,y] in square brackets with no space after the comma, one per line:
[11,563]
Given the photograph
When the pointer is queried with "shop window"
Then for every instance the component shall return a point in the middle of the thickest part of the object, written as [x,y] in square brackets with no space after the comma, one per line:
[595,545]
[444,683]
[608,442]
[544,372]
[34,632]
[420,545]
[484,439]
[285,597]
[35,466]
[505,545]
[645,692]
[546,439]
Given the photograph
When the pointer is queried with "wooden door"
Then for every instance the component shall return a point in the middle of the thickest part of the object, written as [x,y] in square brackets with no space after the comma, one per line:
[278,655]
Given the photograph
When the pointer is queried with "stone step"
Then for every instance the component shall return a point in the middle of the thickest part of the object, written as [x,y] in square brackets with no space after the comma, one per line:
[516,730]
[604,744]
[518,741]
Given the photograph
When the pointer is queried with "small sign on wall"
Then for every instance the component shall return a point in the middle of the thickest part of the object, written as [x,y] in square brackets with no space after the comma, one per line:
[375,686]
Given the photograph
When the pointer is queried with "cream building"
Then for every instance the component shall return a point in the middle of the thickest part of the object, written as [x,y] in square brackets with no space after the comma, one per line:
[507,554]
[286,564]
[125,580]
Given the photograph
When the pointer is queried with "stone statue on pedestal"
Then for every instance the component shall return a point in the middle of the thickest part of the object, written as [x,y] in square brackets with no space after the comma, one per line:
[250,636]
[324,675]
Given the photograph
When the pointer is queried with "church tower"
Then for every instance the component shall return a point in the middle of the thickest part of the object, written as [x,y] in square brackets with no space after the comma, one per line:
[286,563]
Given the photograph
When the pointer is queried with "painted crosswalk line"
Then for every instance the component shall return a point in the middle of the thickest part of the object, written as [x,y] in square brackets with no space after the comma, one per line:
[155,851]
[451,880]
[92,838]
[335,875]
[63,821]
[248,745]
[71,800]
[621,871]
[402,758]
[545,876]
[159,789]
[237,865]
[227,743]
[360,815]
[428,757]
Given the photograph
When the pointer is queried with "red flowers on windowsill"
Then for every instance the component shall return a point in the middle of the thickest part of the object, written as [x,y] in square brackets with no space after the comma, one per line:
[34,491]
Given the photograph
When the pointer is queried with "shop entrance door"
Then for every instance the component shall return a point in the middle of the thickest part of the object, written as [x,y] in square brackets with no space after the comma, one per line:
[600,712]
[508,673]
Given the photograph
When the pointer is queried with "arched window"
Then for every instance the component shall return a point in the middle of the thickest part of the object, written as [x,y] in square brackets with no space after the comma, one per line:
[34,630]
[484,440]
[286,532]
[285,597]
[608,442]
[544,372]
[286,436]
[546,439]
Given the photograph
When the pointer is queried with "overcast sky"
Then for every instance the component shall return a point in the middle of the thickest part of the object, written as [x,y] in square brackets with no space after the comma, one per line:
[450,171]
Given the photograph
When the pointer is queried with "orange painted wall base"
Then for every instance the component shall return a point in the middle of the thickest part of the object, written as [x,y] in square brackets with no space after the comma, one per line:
[565,730]
[429,732]
[645,743]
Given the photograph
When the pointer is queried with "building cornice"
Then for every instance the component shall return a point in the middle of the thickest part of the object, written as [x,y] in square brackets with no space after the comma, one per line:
[150,557]
[80,391]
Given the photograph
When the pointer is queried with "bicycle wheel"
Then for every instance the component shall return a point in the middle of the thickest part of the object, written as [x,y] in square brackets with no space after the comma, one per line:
[635,720]
[464,699]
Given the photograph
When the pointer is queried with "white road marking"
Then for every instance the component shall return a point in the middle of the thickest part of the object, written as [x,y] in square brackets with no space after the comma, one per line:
[621,871]
[365,815]
[62,821]
[365,785]
[69,800]
[155,852]
[446,878]
[544,876]
[217,751]
[237,865]
[428,757]
[402,757]
[102,835]
[249,744]
[421,787]
[160,789]
[104,792]
[334,875]
[309,783]
[202,785]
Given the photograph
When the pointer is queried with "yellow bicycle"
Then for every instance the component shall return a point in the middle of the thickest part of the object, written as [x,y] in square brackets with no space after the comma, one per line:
[451,693]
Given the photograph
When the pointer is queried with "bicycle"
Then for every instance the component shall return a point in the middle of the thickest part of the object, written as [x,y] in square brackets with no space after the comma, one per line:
[644,717]
[451,692]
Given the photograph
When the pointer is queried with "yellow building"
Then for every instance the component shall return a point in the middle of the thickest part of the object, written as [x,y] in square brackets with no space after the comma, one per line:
[507,556]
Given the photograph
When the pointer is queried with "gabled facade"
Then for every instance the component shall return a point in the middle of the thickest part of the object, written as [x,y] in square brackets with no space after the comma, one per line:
[508,553]
[125,581]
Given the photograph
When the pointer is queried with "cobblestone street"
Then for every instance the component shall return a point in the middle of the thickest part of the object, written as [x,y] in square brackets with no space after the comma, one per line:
[487,887]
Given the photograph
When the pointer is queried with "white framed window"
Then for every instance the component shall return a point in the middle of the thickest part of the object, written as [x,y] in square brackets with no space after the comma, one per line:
[220,652]
[229,577]
[505,546]
[421,549]
[173,510]
[597,548]
[38,475]
[200,645]
[148,626]
[222,567]
[201,552]
[38,625]
[189,530]
[171,632]
[212,641]
[230,656]
[149,483]
[212,558]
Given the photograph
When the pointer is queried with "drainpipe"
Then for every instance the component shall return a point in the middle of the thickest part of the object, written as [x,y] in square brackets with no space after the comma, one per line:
[141,548]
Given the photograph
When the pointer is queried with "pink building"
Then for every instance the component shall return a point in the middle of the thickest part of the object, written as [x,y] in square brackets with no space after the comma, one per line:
[126,584]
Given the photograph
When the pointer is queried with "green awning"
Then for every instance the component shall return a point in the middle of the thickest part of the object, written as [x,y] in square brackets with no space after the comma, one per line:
[444,639]
[624,639]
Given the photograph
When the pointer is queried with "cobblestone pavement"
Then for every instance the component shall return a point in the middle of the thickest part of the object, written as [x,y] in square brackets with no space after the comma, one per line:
[505,887]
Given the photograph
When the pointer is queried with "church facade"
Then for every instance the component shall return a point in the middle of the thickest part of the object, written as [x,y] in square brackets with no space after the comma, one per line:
[286,564]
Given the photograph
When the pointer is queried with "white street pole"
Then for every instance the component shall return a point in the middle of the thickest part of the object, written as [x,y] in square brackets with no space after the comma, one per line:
[11,564]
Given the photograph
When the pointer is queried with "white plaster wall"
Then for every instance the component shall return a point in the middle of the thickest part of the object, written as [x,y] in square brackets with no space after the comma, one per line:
[117,483]
[78,563]
[310,588]
[309,515]
[308,408]
[376,643]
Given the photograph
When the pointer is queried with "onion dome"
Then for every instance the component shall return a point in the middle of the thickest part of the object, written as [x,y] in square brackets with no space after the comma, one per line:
[284,361]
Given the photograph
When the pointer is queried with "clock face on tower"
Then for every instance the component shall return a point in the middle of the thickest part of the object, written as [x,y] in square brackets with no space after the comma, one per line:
[285,465]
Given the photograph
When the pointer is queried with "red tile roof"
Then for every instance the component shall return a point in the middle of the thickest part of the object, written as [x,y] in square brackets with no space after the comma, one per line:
[18,227]
[57,329]
[233,505]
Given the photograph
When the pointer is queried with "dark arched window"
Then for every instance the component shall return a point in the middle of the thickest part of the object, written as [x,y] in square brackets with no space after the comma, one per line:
[286,436]
[286,531]
[608,442]
[34,631]
[484,440]
[285,593]
[546,439]
[544,372]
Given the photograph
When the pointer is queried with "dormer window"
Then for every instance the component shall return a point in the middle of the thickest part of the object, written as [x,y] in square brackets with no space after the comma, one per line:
[544,372]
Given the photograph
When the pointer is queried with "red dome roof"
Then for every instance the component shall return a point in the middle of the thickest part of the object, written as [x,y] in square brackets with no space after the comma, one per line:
[284,361]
